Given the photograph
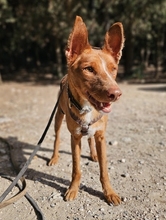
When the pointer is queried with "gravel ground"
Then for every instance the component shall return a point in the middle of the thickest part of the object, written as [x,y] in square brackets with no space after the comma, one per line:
[136,139]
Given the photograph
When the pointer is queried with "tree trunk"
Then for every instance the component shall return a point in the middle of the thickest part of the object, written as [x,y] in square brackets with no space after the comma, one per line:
[59,60]
[128,53]
[157,73]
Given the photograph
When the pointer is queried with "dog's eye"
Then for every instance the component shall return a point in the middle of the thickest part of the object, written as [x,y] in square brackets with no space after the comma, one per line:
[90,69]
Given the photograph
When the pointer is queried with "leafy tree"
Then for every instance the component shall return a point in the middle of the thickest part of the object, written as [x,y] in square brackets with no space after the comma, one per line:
[34,33]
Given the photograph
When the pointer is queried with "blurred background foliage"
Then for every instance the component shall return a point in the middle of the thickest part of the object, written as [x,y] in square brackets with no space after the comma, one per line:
[33,34]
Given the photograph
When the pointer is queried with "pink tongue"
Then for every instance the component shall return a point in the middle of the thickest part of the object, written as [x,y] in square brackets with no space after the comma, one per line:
[106,104]
[106,107]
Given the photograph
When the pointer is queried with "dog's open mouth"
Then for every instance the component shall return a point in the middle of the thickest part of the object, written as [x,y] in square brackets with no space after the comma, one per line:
[101,106]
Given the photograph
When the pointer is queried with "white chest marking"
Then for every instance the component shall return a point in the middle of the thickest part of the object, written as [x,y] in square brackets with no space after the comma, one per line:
[91,131]
[88,118]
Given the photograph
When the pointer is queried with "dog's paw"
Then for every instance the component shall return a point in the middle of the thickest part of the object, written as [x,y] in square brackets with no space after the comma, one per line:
[71,194]
[113,199]
[94,157]
[53,161]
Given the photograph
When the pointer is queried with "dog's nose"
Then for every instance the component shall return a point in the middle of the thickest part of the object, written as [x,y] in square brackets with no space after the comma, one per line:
[114,94]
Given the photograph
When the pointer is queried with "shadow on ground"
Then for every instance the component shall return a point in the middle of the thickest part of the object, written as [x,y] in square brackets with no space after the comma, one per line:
[16,155]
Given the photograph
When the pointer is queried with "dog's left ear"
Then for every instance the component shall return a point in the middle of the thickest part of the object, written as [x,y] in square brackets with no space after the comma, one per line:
[78,40]
[114,41]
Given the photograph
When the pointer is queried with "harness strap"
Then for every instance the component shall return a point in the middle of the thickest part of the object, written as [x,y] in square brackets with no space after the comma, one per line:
[82,123]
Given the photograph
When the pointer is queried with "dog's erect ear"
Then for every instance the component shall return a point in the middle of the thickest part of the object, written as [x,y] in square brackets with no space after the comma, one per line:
[114,41]
[78,40]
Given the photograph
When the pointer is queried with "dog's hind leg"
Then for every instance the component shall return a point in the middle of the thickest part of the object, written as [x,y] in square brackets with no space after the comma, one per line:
[58,121]
[76,172]
[92,147]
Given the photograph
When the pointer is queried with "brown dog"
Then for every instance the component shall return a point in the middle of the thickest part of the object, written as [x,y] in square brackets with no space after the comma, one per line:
[87,92]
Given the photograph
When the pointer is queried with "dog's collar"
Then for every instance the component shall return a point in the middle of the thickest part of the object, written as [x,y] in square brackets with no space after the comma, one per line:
[73,102]
[84,126]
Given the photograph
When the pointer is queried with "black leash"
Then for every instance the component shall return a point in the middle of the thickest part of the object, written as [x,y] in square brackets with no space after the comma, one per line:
[28,197]
[22,171]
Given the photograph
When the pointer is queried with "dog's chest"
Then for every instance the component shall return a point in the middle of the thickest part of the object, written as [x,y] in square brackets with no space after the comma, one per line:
[87,128]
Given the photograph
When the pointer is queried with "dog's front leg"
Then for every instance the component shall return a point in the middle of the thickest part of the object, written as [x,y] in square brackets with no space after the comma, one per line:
[76,172]
[110,195]
[58,121]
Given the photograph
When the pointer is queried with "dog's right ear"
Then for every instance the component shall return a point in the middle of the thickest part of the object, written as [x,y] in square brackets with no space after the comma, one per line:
[78,40]
[114,41]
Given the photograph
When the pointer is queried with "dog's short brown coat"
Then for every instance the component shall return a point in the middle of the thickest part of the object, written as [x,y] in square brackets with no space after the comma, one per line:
[91,82]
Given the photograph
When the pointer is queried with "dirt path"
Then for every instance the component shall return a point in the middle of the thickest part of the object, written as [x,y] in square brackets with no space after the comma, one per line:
[136,136]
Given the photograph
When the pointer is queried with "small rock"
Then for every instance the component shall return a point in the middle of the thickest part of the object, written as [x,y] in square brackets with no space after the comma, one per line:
[113,143]
[52,205]
[95,216]
[141,161]
[4,119]
[123,160]
[151,130]
[127,140]
[125,175]
[161,128]
[124,199]
[162,143]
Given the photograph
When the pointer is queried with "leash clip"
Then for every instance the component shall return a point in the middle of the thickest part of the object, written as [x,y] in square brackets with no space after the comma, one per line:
[84,129]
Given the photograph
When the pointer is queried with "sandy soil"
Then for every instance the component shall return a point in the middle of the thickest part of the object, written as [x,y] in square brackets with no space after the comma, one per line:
[136,139]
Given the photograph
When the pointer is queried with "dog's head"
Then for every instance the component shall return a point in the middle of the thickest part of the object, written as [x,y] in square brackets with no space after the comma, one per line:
[93,71]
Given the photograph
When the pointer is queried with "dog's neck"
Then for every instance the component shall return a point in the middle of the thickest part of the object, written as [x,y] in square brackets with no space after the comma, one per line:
[81,109]
[73,102]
